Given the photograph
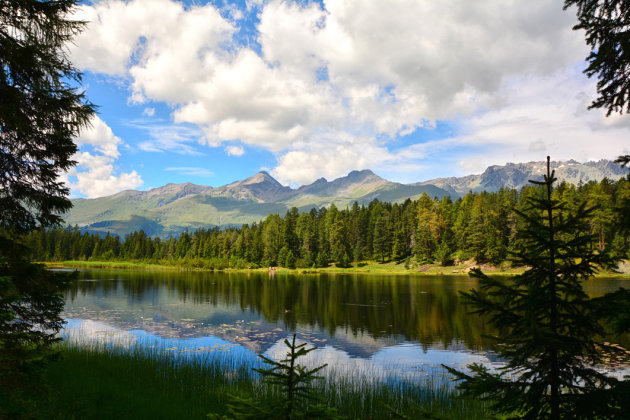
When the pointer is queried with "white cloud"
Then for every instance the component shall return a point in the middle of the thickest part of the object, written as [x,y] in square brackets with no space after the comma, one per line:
[533,123]
[173,138]
[332,87]
[391,66]
[127,35]
[149,112]
[95,173]
[95,176]
[323,159]
[101,137]
[234,151]
[397,63]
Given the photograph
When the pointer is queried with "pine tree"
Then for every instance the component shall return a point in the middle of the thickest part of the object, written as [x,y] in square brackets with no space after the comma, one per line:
[297,399]
[290,238]
[289,261]
[552,329]
[443,254]
[40,114]
[607,28]
[381,238]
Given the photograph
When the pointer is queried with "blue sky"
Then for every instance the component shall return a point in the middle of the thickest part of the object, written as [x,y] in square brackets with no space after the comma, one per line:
[213,92]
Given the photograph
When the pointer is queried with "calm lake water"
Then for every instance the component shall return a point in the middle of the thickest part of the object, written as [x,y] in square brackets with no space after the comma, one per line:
[381,326]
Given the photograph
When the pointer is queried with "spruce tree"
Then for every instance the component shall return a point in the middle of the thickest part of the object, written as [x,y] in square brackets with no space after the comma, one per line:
[41,111]
[607,28]
[381,238]
[293,382]
[552,331]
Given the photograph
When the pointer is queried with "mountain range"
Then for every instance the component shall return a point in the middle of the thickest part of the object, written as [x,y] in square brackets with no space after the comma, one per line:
[172,208]
[516,175]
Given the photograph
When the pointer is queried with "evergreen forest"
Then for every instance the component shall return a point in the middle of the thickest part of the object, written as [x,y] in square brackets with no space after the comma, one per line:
[479,226]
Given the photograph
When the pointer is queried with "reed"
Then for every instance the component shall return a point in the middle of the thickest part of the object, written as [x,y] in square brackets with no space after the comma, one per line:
[104,382]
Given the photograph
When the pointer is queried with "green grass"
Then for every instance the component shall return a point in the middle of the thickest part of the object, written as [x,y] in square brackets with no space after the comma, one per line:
[89,383]
[366,267]
[114,264]
[109,383]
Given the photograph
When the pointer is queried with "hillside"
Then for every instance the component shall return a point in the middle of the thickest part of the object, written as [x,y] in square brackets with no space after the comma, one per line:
[170,209]
[175,207]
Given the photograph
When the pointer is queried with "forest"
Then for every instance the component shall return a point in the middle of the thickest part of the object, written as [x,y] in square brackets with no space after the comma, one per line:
[479,226]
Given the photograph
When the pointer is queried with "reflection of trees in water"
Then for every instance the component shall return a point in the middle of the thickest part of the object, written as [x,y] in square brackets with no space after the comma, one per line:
[423,309]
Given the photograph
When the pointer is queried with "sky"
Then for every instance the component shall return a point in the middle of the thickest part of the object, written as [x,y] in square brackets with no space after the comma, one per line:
[211,92]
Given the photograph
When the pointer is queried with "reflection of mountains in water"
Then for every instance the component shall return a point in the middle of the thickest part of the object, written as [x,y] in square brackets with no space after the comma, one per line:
[396,362]
[360,313]
[250,332]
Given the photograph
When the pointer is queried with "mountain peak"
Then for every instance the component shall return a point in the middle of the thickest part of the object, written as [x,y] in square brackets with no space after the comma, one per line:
[349,185]
[259,178]
[260,187]
[363,176]
[362,172]
[517,175]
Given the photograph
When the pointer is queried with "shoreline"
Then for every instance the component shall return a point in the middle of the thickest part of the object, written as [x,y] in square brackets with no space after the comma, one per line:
[370,268]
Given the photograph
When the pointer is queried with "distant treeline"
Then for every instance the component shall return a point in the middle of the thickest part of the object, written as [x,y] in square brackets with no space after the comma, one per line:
[479,226]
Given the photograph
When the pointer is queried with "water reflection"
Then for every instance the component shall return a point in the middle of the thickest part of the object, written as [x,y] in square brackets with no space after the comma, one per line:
[102,335]
[402,361]
[348,316]
[360,313]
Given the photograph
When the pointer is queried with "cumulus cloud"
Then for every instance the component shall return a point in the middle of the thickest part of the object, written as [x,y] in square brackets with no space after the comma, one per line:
[368,71]
[234,151]
[323,158]
[95,176]
[399,63]
[95,173]
[533,123]
[101,137]
[131,36]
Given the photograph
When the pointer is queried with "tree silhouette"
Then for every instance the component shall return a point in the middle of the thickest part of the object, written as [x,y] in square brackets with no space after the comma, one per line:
[552,331]
[293,381]
[607,26]
[40,114]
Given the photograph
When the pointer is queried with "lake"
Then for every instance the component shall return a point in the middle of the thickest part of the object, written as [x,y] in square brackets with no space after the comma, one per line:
[381,327]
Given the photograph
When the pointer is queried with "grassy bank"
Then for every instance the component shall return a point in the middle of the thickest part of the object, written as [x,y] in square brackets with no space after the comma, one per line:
[131,265]
[109,383]
[368,267]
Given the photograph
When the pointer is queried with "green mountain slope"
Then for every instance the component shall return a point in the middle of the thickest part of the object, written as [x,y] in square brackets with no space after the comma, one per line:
[170,209]
[173,208]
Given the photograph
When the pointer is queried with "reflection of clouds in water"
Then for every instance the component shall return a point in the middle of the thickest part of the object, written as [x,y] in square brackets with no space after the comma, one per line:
[82,332]
[94,333]
[404,361]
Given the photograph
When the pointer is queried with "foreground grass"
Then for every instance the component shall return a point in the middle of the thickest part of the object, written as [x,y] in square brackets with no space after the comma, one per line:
[108,383]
